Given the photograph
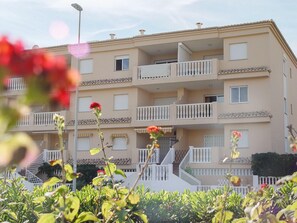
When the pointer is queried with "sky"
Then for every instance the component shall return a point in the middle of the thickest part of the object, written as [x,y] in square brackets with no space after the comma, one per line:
[55,22]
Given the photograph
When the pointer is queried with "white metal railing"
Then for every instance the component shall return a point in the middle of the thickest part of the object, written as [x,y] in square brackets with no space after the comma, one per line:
[221,171]
[16,84]
[32,178]
[193,68]
[200,155]
[25,120]
[143,154]
[44,118]
[157,172]
[184,175]
[49,155]
[170,157]
[148,113]
[240,189]
[191,111]
[153,71]
[268,180]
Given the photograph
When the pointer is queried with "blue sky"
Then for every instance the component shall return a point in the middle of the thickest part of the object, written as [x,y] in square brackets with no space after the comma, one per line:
[55,22]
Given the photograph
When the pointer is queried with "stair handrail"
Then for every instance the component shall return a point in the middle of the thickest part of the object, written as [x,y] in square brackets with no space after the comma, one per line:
[39,161]
[32,178]
[170,157]
[183,174]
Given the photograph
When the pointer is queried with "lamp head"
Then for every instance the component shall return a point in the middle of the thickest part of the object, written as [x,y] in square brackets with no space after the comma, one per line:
[77,7]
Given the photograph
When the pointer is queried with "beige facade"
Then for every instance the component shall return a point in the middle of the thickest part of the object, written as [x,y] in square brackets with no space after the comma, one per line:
[198,84]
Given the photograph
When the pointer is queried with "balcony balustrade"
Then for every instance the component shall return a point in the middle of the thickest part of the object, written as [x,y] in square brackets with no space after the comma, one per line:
[39,119]
[143,154]
[16,84]
[178,113]
[180,69]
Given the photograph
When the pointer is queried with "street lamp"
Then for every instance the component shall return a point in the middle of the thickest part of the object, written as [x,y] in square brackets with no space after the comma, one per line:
[79,9]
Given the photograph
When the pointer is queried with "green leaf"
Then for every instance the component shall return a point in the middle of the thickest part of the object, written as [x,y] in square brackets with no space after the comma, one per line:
[47,218]
[97,181]
[55,162]
[94,151]
[11,214]
[134,198]
[110,168]
[38,200]
[142,216]
[121,203]
[72,204]
[51,182]
[70,175]
[106,209]
[86,216]
[120,172]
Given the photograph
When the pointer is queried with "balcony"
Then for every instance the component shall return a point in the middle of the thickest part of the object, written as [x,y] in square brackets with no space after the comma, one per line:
[143,154]
[38,121]
[16,84]
[175,114]
[176,72]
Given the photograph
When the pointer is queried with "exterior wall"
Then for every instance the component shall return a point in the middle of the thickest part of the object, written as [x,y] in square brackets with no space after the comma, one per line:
[256,57]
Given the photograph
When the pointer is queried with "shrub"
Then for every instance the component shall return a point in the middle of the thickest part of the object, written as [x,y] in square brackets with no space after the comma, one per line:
[283,164]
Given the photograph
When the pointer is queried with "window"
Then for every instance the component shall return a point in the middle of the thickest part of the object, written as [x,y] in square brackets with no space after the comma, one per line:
[119,143]
[120,102]
[238,51]
[214,98]
[213,140]
[239,94]
[84,104]
[86,66]
[243,140]
[83,143]
[122,63]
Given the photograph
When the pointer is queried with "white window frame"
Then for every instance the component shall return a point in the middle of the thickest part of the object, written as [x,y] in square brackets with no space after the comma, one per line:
[243,141]
[84,104]
[122,58]
[120,147]
[120,98]
[83,140]
[238,51]
[239,100]
[86,66]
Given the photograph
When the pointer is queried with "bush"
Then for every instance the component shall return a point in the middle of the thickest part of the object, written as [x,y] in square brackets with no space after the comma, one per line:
[273,164]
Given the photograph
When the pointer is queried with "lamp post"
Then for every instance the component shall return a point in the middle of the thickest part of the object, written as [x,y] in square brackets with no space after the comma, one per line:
[79,9]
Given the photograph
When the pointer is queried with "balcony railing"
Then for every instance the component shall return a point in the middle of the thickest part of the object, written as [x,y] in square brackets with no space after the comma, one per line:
[149,113]
[39,119]
[143,154]
[16,84]
[193,68]
[190,111]
[154,71]
[181,69]
[179,112]
[200,155]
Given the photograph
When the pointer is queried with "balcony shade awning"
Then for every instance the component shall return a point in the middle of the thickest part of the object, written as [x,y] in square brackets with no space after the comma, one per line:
[164,129]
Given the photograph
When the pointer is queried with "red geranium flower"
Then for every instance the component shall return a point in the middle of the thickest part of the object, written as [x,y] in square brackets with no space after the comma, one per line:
[101,172]
[95,105]
[153,129]
[263,186]
[236,134]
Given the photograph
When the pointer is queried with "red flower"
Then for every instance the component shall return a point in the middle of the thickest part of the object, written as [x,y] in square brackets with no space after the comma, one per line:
[263,186]
[95,105]
[236,134]
[101,172]
[293,147]
[153,129]
[61,97]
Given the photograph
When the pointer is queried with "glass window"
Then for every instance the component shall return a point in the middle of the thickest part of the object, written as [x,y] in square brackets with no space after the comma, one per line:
[83,143]
[243,141]
[122,63]
[86,66]
[84,104]
[239,94]
[119,143]
[121,102]
[238,51]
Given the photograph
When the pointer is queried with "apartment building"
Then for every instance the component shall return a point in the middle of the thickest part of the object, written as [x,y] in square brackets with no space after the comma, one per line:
[198,85]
